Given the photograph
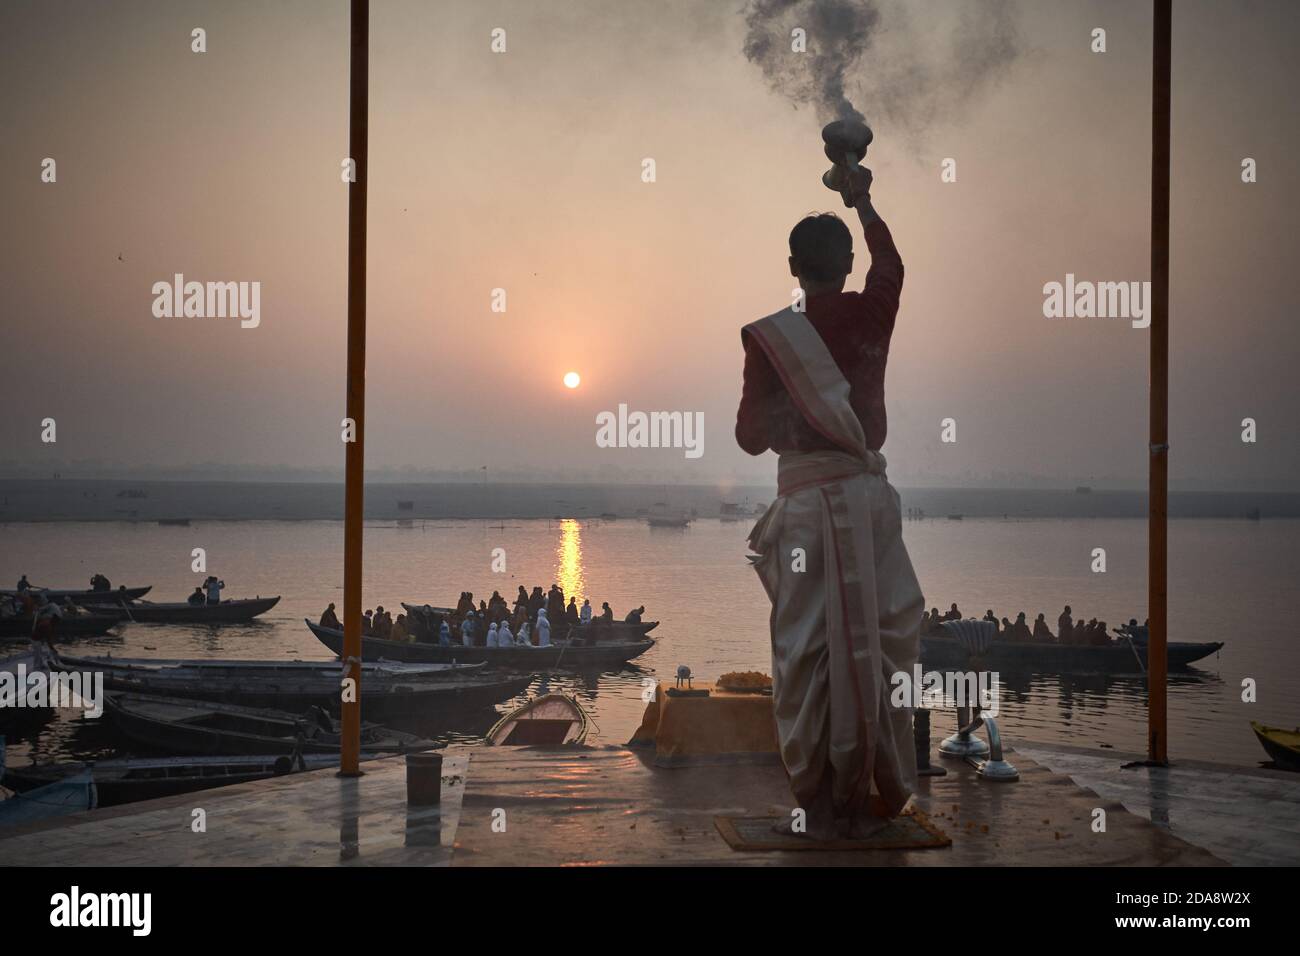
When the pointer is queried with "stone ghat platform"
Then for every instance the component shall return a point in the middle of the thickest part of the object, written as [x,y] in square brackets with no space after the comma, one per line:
[611,806]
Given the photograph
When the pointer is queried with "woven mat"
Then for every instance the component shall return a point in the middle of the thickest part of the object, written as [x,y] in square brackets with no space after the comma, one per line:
[911,830]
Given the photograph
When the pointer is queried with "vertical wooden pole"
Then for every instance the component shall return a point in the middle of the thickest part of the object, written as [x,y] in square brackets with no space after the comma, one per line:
[1157,532]
[354,494]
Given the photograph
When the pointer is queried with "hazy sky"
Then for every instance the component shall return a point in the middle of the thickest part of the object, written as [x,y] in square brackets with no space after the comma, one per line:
[522,171]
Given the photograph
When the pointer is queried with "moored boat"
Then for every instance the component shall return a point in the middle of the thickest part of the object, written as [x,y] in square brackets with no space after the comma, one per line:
[69,625]
[388,690]
[1282,746]
[82,595]
[126,780]
[566,654]
[72,794]
[183,726]
[234,611]
[1118,657]
[551,720]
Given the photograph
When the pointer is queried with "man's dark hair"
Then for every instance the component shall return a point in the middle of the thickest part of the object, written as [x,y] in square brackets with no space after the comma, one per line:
[821,246]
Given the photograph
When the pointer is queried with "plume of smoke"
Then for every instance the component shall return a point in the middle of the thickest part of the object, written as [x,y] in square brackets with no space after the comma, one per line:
[912,77]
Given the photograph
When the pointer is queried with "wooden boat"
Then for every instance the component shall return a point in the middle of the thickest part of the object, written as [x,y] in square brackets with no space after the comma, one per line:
[1114,658]
[667,521]
[388,689]
[74,793]
[1282,746]
[235,611]
[69,625]
[565,654]
[182,726]
[10,714]
[427,623]
[81,596]
[551,720]
[126,780]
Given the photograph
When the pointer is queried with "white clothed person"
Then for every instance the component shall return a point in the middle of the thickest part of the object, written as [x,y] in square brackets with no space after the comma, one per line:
[543,629]
[492,636]
[585,615]
[467,631]
[505,637]
[522,637]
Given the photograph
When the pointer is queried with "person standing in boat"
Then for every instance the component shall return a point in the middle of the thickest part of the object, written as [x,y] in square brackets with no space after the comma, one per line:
[1042,632]
[214,586]
[492,635]
[847,621]
[467,630]
[1065,626]
[543,629]
[24,584]
[444,633]
[555,603]
[505,636]
[571,615]
[585,617]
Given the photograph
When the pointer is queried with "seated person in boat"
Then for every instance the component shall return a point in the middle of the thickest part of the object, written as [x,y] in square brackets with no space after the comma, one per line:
[368,623]
[100,583]
[383,623]
[634,615]
[24,584]
[992,619]
[198,600]
[330,619]
[1005,630]
[1041,630]
[525,637]
[606,613]
[1100,635]
[397,630]
[505,636]
[953,614]
[1020,630]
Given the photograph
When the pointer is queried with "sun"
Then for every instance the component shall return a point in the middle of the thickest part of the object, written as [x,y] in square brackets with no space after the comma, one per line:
[572,380]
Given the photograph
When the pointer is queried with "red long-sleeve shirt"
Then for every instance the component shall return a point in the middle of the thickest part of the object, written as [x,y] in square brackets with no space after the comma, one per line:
[856,327]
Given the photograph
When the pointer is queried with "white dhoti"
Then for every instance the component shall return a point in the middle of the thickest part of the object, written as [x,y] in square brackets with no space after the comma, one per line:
[846,605]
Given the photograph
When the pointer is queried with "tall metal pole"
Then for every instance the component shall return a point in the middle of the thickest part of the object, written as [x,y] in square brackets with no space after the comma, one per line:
[1157,530]
[354,494]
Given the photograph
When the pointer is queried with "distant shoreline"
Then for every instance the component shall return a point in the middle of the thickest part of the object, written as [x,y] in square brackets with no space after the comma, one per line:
[80,499]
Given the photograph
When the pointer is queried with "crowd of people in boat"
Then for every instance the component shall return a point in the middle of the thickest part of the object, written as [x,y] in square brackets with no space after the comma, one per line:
[492,623]
[1068,631]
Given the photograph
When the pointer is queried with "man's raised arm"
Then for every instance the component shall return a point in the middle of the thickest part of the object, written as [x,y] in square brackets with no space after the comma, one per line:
[884,283]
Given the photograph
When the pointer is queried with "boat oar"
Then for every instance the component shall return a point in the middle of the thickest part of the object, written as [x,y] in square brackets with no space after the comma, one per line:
[1136,655]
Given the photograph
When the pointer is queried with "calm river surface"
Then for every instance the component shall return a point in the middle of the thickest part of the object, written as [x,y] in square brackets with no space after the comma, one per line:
[1230,580]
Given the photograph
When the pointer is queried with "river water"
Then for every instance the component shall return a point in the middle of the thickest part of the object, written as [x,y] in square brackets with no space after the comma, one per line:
[1229,580]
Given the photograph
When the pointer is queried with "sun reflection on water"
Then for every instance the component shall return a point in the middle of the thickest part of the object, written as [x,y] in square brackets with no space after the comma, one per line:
[568,555]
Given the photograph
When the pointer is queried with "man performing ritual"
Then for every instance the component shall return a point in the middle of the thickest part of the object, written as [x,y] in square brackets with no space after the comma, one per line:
[846,606]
